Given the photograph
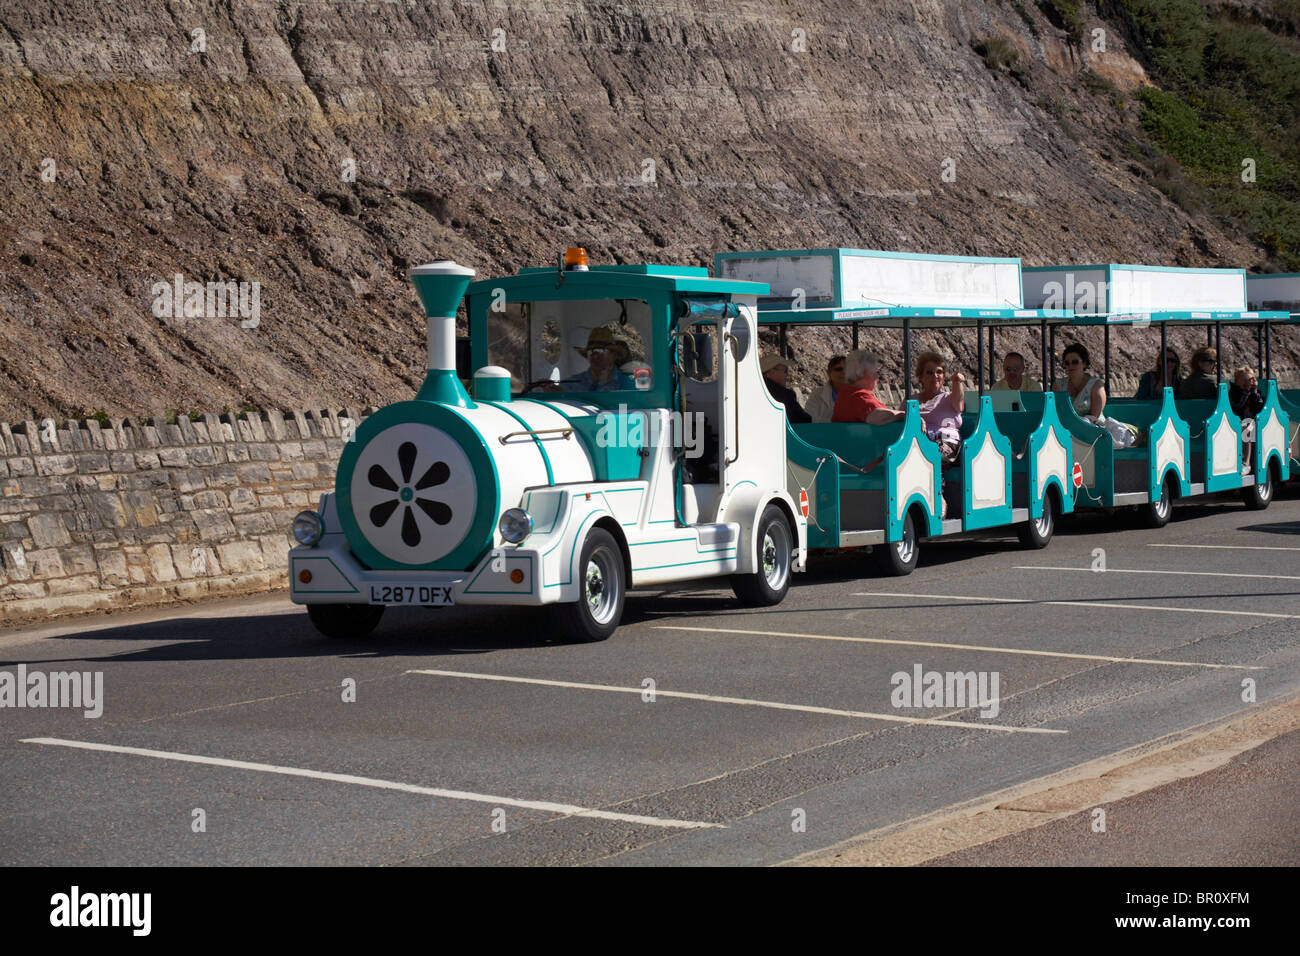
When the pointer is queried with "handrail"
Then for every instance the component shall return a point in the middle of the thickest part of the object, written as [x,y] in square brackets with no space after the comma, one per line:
[534,432]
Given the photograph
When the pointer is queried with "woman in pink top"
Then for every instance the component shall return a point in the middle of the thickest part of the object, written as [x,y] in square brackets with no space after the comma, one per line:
[941,409]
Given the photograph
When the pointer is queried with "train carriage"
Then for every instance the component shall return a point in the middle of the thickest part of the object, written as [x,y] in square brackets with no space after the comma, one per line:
[1281,291]
[1185,447]
[1016,464]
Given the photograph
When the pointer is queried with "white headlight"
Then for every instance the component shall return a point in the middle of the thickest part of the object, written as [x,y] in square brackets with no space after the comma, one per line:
[515,525]
[307,528]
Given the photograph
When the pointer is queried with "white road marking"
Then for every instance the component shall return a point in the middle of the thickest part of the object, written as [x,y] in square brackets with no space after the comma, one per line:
[1195,574]
[1089,604]
[1224,547]
[543,805]
[745,701]
[960,647]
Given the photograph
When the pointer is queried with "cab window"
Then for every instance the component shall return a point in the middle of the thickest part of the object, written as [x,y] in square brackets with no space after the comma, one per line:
[575,346]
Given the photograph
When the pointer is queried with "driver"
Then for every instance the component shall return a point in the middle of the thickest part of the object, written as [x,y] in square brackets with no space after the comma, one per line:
[604,354]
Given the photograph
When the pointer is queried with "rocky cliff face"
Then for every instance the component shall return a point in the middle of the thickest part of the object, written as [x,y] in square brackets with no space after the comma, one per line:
[321,148]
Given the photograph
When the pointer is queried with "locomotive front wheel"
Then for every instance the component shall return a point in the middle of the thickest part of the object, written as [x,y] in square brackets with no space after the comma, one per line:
[1037,532]
[1260,495]
[898,558]
[602,588]
[769,584]
[345,621]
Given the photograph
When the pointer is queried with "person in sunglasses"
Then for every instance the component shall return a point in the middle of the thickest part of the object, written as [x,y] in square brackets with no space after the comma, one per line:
[821,404]
[1088,396]
[604,354]
[1202,383]
[1150,386]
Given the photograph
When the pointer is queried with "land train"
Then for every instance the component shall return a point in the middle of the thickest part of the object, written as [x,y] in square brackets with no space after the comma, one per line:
[617,432]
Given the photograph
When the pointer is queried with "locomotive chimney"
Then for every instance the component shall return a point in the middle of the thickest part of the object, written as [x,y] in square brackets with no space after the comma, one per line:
[441,286]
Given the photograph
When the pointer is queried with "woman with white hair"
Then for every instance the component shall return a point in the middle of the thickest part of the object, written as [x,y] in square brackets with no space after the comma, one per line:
[856,401]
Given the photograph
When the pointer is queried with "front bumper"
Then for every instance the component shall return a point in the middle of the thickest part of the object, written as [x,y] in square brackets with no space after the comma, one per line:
[336,577]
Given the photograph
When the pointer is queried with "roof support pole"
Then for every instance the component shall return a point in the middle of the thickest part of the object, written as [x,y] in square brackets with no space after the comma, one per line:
[1164,356]
[979,353]
[1106,354]
[907,358]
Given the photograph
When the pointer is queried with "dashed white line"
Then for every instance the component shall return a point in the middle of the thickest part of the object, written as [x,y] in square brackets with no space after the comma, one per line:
[1112,605]
[1223,547]
[959,647]
[545,806]
[1194,574]
[744,701]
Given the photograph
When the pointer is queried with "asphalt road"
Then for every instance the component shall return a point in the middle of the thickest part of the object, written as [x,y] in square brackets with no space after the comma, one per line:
[789,741]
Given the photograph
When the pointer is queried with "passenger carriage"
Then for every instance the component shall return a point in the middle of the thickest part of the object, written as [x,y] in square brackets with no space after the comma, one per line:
[1188,447]
[1281,291]
[1016,460]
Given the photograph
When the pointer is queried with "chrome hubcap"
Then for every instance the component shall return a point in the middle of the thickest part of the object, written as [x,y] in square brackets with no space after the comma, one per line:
[601,586]
[907,545]
[774,558]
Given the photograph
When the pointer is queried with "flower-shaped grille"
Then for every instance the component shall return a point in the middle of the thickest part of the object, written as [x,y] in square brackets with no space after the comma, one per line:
[406,494]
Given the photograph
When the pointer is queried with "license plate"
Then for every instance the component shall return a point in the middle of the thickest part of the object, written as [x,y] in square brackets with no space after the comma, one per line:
[411,594]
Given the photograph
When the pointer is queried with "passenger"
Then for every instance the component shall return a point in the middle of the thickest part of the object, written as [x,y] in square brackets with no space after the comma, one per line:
[1243,393]
[821,404]
[941,409]
[1149,386]
[1202,382]
[1013,375]
[604,355]
[775,374]
[856,401]
[1246,403]
[1088,395]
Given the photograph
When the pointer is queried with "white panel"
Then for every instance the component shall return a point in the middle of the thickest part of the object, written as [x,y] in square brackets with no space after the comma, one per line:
[1169,449]
[1082,289]
[1051,461]
[888,280]
[988,476]
[1224,455]
[814,274]
[1271,436]
[915,475]
[1281,292]
[1140,291]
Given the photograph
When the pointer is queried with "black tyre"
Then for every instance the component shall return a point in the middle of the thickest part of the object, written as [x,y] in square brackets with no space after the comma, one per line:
[1155,514]
[1260,495]
[770,583]
[1037,533]
[346,621]
[898,558]
[602,590]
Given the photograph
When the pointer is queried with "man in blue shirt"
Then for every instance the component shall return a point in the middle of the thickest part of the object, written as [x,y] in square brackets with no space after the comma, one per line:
[604,354]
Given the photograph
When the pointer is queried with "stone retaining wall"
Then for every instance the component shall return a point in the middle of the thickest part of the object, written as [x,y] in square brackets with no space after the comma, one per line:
[130,513]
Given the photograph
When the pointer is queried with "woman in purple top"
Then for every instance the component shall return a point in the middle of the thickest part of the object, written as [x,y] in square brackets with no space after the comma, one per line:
[940,408]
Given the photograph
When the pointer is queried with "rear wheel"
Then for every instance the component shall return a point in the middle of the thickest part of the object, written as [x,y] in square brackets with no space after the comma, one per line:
[347,621]
[1259,495]
[1155,514]
[898,558]
[770,582]
[1037,532]
[602,589]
